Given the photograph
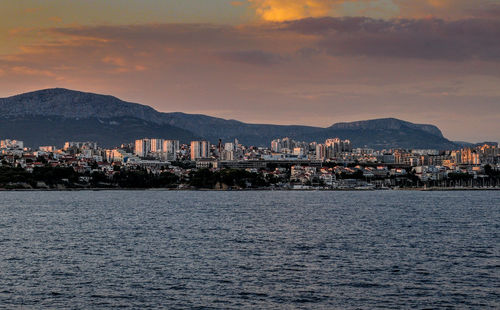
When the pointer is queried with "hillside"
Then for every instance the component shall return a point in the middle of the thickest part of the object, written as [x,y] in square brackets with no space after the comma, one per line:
[52,116]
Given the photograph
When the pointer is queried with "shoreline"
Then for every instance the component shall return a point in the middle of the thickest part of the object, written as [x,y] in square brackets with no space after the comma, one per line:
[422,189]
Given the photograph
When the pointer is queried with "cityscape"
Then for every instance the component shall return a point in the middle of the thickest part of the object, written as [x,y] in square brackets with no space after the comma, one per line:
[250,154]
[286,164]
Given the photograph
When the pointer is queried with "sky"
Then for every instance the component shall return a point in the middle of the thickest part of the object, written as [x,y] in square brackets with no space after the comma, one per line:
[310,62]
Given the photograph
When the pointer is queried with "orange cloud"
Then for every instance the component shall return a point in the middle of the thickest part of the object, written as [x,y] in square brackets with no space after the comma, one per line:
[55,19]
[121,65]
[439,3]
[22,70]
[115,61]
[283,10]
[20,31]
[31,10]
[286,10]
[237,3]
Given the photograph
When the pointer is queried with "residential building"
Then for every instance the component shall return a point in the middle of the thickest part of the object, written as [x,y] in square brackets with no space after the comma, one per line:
[199,149]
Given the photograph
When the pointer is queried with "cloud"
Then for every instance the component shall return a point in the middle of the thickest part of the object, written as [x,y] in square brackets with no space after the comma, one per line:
[185,35]
[446,9]
[237,3]
[55,19]
[430,39]
[19,31]
[286,10]
[116,61]
[282,10]
[31,10]
[488,11]
[121,65]
[252,57]
[22,70]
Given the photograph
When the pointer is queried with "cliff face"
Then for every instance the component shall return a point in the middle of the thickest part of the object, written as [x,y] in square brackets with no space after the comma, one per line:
[60,114]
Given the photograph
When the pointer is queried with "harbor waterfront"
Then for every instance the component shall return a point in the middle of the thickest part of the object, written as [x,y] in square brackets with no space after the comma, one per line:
[250,249]
[287,164]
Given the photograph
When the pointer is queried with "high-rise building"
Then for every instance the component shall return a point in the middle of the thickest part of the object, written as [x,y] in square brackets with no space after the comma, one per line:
[228,153]
[156,145]
[286,145]
[335,146]
[142,147]
[456,157]
[170,149]
[470,157]
[229,146]
[276,145]
[320,152]
[199,149]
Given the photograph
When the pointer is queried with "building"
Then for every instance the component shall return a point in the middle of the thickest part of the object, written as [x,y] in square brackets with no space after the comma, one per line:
[170,150]
[276,146]
[470,157]
[335,146]
[47,149]
[142,147]
[117,155]
[156,145]
[11,144]
[199,149]
[320,152]
[80,145]
[298,151]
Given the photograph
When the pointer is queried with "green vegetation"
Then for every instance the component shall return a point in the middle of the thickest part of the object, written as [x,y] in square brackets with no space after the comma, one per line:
[204,178]
[12,177]
[66,177]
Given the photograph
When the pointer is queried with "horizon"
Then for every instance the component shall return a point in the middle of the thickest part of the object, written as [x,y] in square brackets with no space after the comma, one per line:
[309,63]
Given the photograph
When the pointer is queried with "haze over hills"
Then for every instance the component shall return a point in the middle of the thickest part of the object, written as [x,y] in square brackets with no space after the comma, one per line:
[52,116]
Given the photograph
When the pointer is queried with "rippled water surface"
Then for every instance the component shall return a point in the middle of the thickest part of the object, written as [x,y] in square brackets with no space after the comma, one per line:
[311,250]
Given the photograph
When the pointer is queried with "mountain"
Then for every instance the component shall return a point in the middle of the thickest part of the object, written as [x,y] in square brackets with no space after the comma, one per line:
[387,124]
[52,116]
[37,130]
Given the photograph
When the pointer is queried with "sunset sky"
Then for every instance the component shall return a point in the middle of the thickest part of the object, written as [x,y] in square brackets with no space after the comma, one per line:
[312,62]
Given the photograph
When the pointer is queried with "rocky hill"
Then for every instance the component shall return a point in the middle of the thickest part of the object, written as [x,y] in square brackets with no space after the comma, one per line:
[52,116]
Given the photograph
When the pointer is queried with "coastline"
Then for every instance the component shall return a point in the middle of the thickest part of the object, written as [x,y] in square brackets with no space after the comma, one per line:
[422,189]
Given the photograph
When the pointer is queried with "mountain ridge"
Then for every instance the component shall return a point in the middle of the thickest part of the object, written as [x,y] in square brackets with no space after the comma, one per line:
[78,106]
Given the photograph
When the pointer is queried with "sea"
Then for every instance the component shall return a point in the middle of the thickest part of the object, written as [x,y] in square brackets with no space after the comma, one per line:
[250,250]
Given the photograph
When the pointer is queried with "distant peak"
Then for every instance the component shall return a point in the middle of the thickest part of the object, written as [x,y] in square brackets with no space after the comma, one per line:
[387,123]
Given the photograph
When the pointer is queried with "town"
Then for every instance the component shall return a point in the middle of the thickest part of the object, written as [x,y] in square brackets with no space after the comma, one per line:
[286,164]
